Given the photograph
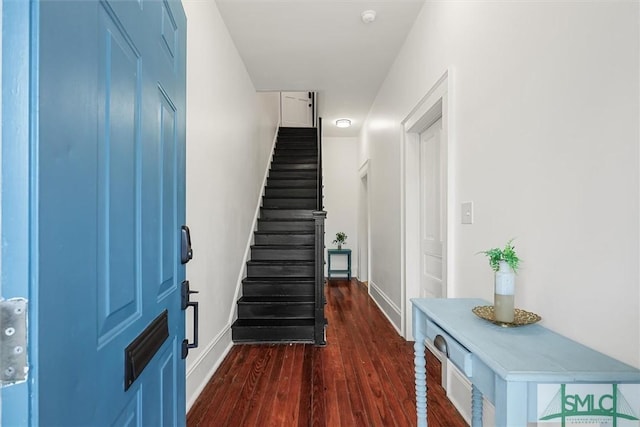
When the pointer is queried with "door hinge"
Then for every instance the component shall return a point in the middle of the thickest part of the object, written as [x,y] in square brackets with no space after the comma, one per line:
[13,341]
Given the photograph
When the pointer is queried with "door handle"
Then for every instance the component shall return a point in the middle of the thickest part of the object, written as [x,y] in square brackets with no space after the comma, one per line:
[186,303]
[186,253]
[441,344]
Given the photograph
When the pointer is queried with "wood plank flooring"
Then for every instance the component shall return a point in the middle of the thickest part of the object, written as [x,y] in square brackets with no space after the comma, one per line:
[363,377]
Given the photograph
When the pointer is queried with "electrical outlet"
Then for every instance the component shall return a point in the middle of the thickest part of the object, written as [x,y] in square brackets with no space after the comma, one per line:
[467,213]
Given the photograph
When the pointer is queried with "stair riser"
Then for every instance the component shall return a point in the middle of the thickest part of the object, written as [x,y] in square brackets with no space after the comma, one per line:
[276,311]
[277,289]
[294,166]
[298,131]
[295,152]
[284,254]
[286,213]
[285,225]
[272,334]
[269,202]
[274,270]
[297,144]
[290,192]
[295,140]
[295,159]
[311,148]
[299,183]
[307,133]
[284,239]
[290,174]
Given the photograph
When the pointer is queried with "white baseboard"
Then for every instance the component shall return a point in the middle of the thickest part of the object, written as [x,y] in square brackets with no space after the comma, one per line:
[206,364]
[388,307]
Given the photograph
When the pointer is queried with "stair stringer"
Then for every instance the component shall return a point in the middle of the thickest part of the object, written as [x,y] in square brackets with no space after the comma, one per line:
[233,312]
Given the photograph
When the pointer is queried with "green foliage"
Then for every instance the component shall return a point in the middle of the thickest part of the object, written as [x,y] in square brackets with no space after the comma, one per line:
[507,254]
[340,238]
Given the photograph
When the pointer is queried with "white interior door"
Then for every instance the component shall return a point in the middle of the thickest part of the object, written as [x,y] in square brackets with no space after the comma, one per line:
[297,109]
[432,213]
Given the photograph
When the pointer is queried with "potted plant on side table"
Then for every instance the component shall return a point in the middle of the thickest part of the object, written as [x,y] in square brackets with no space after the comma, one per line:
[340,239]
[504,262]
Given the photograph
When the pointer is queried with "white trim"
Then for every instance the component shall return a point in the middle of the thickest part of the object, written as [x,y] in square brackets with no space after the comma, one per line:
[247,251]
[365,171]
[384,301]
[434,105]
[218,350]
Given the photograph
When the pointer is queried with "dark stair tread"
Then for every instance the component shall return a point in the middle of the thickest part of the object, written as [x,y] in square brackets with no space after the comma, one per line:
[276,299]
[280,262]
[284,247]
[276,280]
[302,210]
[266,322]
[286,213]
[307,150]
[288,181]
[290,197]
[289,178]
[272,198]
[286,219]
[303,232]
[306,212]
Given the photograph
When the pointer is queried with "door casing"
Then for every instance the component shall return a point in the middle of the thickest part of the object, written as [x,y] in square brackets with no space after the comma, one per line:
[17,189]
[434,105]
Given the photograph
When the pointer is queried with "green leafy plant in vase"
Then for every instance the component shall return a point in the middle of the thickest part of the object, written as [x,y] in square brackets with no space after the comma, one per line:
[340,239]
[504,262]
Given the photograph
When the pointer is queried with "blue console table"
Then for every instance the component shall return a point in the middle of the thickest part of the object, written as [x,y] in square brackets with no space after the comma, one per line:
[505,365]
[346,271]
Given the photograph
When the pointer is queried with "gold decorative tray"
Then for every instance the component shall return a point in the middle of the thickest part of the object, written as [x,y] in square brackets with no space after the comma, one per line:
[520,318]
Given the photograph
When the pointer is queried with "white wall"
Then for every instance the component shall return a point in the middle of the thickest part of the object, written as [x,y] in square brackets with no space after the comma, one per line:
[230,130]
[545,130]
[340,179]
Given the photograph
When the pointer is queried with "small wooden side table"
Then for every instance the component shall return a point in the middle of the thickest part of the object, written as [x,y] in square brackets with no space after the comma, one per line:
[346,252]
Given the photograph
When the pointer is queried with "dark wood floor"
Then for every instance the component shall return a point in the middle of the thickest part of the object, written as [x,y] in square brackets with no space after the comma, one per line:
[363,377]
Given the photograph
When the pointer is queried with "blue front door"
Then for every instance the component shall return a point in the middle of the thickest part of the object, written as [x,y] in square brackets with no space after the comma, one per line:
[108,176]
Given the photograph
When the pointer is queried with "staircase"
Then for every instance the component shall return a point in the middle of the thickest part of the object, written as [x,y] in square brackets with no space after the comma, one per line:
[283,293]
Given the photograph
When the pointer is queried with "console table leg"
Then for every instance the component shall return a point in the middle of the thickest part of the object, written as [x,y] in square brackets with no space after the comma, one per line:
[421,381]
[476,407]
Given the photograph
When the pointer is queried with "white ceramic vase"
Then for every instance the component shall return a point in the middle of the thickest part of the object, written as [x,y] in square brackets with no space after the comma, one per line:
[503,307]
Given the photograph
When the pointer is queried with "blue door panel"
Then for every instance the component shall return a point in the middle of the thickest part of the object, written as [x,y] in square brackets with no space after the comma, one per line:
[167,403]
[118,180]
[169,32]
[111,153]
[168,196]
[130,415]
[67,221]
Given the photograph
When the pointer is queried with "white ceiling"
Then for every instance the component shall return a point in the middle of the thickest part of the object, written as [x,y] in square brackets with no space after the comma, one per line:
[323,46]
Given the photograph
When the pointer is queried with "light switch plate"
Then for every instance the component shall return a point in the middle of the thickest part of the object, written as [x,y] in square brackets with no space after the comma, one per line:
[467,213]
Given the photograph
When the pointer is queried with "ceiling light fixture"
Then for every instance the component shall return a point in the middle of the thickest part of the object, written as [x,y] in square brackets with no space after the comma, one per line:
[343,123]
[368,16]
